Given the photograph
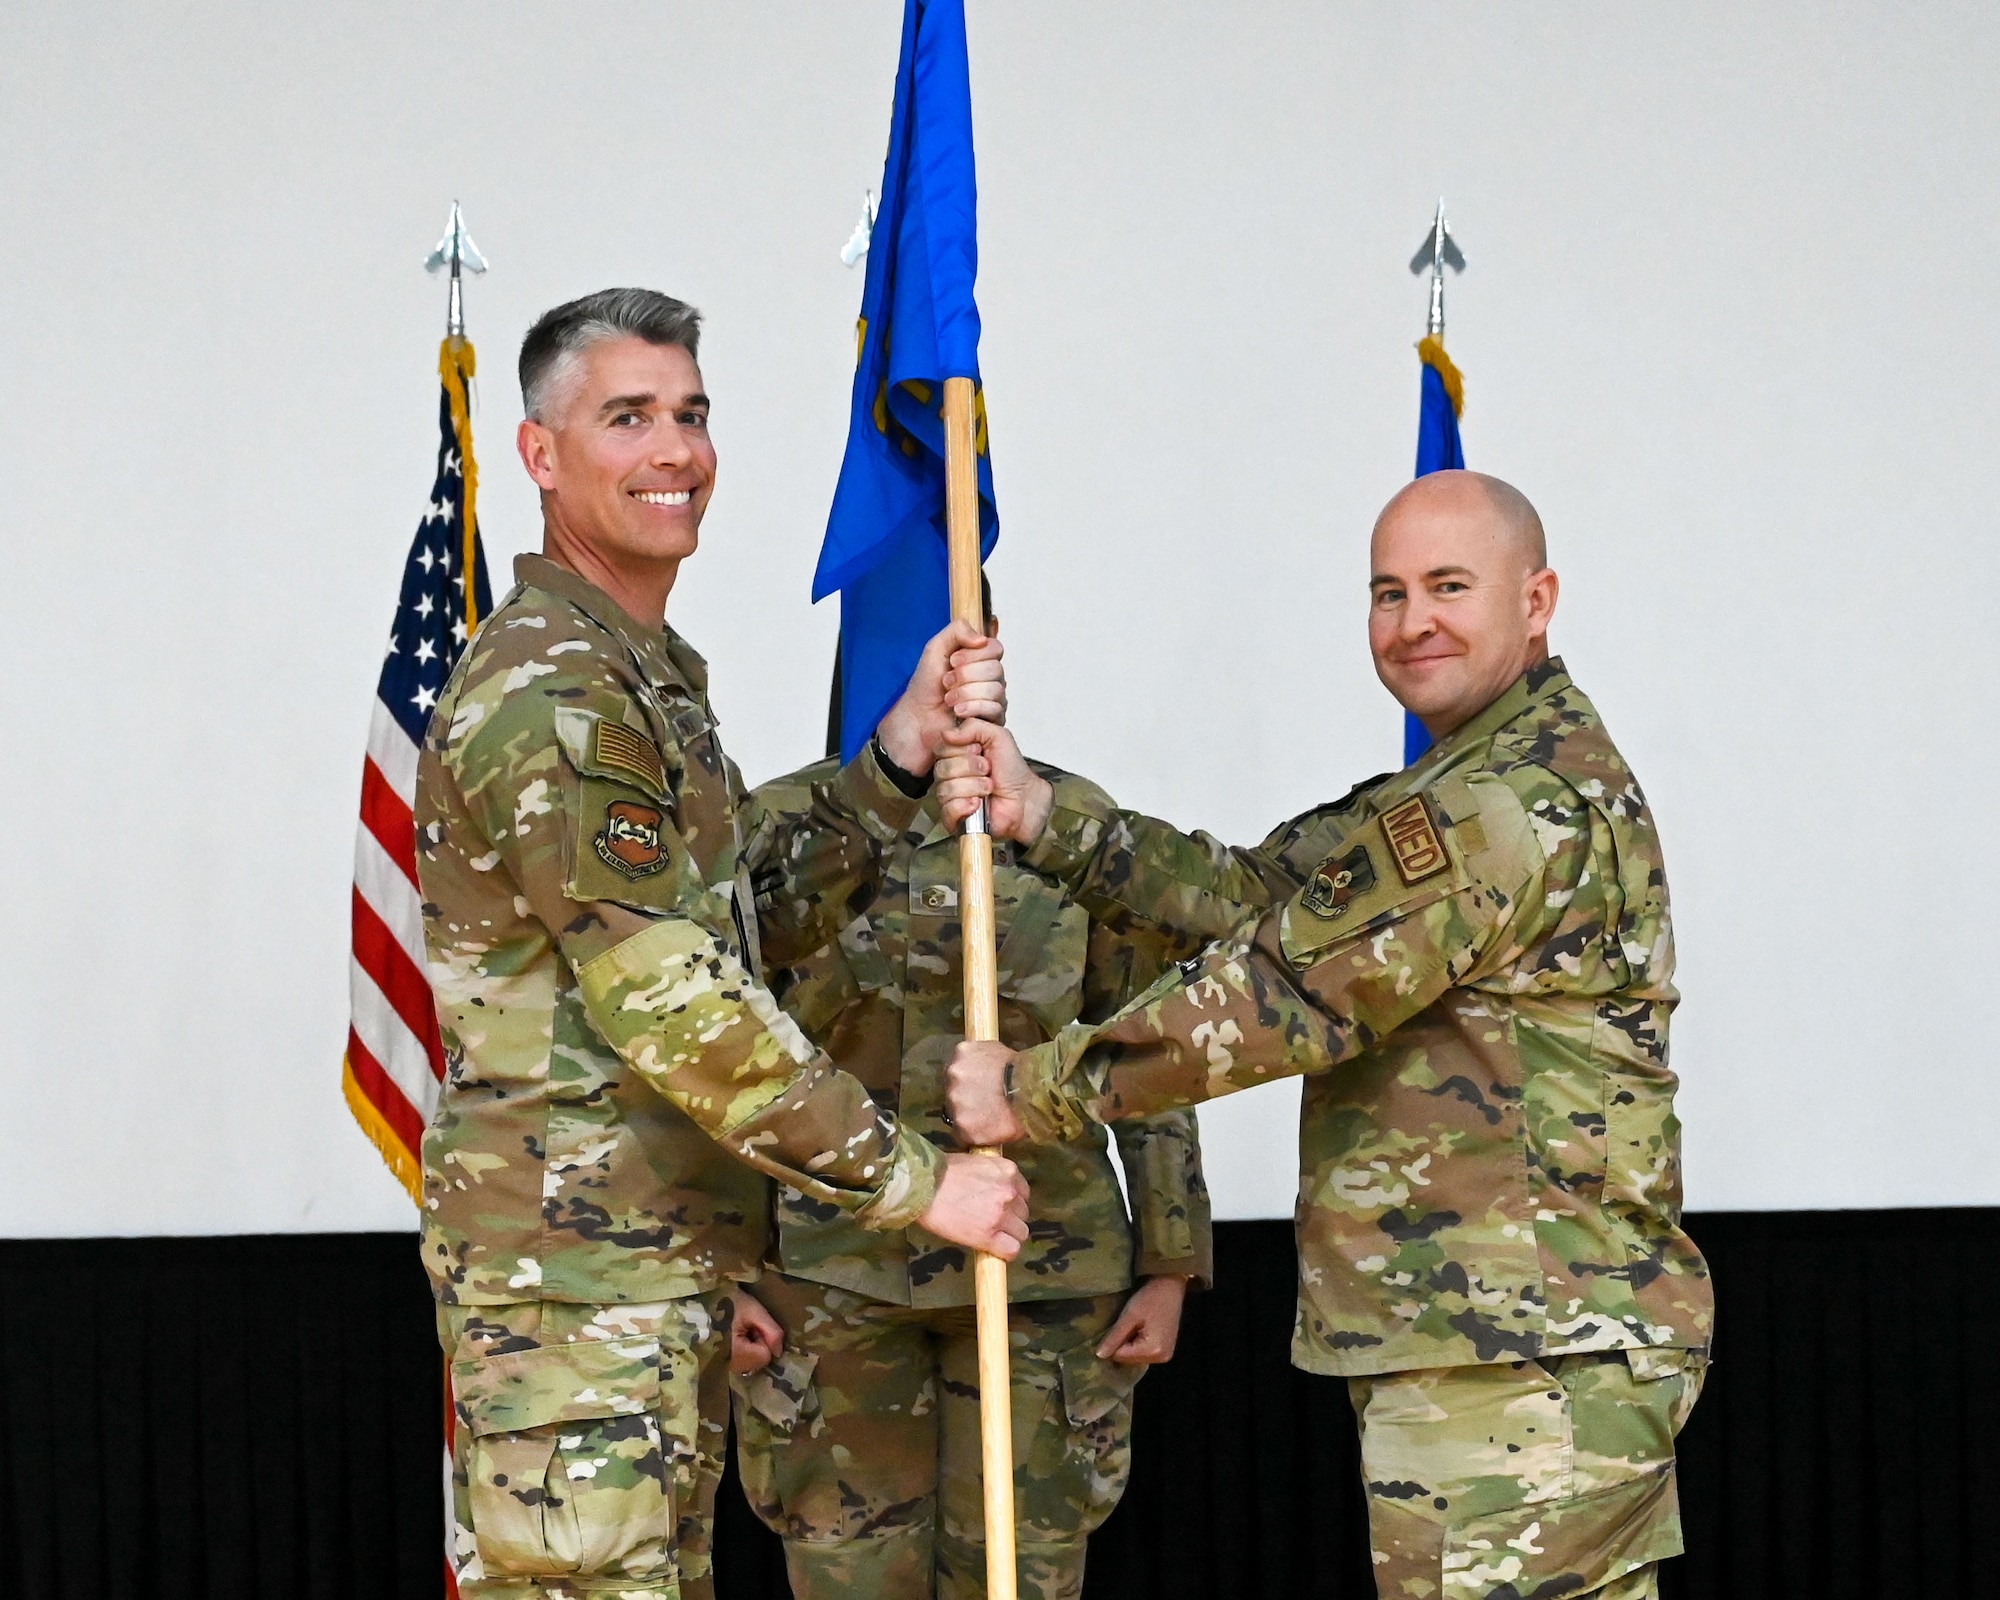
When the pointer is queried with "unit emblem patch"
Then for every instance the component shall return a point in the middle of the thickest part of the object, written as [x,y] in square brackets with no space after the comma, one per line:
[630,839]
[1414,841]
[1339,879]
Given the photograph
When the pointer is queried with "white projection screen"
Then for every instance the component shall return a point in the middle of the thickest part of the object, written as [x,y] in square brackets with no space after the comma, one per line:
[1729,320]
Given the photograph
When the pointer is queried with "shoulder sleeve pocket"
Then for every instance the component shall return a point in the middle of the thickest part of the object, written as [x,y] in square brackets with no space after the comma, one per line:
[1383,870]
[627,848]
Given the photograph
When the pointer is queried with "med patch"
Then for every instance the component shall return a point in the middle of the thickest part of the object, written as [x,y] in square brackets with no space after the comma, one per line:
[1414,841]
[630,841]
[1338,882]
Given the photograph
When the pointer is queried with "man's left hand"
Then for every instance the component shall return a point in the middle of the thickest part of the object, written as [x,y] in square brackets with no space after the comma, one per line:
[1149,1325]
[976,1094]
[959,676]
[982,765]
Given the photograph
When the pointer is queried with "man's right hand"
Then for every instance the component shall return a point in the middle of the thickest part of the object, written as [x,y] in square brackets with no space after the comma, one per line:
[958,675]
[976,1093]
[982,762]
[981,1203]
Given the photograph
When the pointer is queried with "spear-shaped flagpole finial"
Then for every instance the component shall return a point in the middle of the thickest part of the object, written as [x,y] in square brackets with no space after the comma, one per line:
[1438,251]
[456,251]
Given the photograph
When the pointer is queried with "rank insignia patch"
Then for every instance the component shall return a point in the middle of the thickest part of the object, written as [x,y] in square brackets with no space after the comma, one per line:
[1338,881]
[618,749]
[1413,840]
[630,839]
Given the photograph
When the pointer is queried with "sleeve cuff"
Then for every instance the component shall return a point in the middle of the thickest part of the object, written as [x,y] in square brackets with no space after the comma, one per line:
[863,790]
[1069,839]
[910,1188]
[1199,1270]
[1036,1090]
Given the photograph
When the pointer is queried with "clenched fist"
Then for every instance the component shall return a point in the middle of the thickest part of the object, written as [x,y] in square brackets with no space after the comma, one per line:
[981,1203]
[976,1094]
[958,676]
[981,762]
[755,1337]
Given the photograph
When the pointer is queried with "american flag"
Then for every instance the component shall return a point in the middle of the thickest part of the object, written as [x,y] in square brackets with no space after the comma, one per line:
[394,1059]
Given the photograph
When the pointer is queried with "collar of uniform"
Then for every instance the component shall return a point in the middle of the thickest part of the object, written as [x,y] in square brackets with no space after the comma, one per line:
[665,653]
[1540,683]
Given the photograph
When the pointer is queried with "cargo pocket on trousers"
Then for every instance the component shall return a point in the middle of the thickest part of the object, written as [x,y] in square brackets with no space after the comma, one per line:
[1097,1401]
[1688,1368]
[769,1405]
[777,1392]
[566,1467]
[1093,1387]
[1564,1548]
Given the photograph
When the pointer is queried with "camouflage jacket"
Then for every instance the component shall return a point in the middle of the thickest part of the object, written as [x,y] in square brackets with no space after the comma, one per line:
[612,1063]
[1471,962]
[886,1000]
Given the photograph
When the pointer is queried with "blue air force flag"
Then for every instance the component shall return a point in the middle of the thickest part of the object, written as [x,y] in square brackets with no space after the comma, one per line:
[1438,450]
[885,542]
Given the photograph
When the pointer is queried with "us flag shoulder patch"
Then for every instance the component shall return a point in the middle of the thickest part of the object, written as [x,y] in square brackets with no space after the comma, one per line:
[618,749]
[1414,841]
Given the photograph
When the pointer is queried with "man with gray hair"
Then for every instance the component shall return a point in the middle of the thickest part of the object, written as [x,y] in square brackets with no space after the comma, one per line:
[620,1084]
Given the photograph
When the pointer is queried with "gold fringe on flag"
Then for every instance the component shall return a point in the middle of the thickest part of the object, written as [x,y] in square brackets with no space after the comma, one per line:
[1430,351]
[400,1159]
[457,363]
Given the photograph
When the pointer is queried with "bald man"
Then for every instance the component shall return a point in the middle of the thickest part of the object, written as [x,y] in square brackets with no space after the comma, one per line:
[1470,964]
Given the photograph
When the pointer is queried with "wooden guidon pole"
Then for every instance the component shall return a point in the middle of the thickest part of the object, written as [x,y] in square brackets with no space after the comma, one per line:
[982,1009]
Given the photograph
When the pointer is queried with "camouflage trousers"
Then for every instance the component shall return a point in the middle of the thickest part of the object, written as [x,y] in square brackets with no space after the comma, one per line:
[1551,1478]
[588,1447]
[860,1447]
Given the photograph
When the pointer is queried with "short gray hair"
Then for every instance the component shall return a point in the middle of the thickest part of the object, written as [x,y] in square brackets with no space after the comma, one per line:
[554,347]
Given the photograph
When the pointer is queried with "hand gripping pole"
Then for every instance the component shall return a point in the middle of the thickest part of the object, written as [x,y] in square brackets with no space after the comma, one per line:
[982,1008]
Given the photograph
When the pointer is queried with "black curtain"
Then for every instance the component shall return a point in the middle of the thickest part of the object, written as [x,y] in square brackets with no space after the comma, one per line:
[259,1417]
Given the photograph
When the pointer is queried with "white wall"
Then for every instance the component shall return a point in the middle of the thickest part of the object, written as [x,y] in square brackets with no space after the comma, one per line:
[1729,321]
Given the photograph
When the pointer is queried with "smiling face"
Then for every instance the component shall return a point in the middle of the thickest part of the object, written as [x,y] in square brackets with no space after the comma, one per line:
[626,467]
[1460,595]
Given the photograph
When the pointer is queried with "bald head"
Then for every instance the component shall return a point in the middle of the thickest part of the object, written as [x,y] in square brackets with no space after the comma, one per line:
[1501,508]
[1460,595]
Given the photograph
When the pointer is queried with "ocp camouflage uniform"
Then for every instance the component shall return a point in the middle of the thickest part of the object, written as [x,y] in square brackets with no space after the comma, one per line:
[618,1082]
[860,1446]
[1470,962]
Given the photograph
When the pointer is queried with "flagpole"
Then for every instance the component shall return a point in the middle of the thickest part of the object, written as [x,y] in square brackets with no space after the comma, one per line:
[457,254]
[1438,446]
[982,1008]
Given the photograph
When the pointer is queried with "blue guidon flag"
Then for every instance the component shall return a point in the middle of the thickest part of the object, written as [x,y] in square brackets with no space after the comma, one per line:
[394,1059]
[885,536]
[1439,449]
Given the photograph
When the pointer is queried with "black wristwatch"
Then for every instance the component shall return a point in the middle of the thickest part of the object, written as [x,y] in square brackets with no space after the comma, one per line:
[912,786]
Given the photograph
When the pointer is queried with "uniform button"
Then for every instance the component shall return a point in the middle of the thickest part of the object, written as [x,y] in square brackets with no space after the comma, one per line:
[934,898]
